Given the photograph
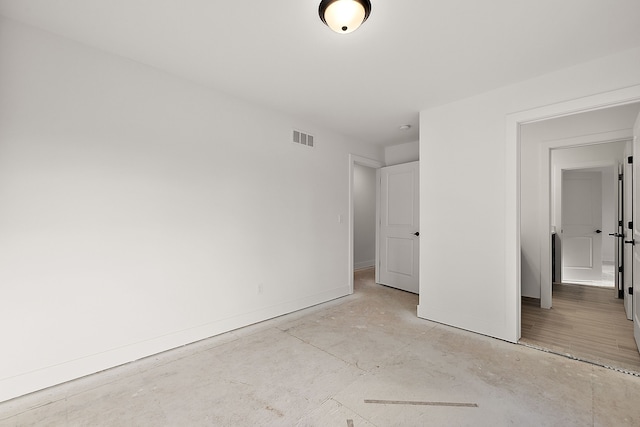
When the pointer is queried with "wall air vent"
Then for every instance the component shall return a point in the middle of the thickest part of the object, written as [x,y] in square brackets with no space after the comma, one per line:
[302,138]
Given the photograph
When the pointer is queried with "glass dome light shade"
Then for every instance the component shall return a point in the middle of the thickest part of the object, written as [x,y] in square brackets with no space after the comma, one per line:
[344,16]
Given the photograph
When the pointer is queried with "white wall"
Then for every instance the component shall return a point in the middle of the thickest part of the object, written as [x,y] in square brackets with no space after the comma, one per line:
[141,212]
[471,282]
[402,153]
[364,224]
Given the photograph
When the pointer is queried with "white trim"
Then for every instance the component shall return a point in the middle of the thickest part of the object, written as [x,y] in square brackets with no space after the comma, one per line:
[354,159]
[556,214]
[546,214]
[40,379]
[378,223]
[364,264]
[512,182]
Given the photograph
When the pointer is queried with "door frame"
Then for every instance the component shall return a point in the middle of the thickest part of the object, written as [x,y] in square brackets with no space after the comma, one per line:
[354,159]
[545,193]
[556,204]
[514,121]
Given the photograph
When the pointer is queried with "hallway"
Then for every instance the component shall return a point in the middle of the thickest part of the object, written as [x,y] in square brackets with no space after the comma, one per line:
[586,322]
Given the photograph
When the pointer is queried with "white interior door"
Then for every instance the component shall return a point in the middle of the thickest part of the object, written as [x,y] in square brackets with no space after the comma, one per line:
[636,232]
[398,241]
[627,275]
[581,226]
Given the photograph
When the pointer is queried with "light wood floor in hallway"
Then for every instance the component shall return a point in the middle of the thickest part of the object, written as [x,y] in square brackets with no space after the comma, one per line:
[586,322]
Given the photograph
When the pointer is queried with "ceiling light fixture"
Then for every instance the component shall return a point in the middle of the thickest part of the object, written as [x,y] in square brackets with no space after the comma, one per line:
[344,16]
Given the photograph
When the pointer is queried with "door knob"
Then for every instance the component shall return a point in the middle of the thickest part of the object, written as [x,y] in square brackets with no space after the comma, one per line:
[615,234]
[417,233]
[598,231]
[633,242]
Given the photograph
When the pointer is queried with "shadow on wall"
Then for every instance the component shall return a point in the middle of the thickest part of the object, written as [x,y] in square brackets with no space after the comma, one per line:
[528,269]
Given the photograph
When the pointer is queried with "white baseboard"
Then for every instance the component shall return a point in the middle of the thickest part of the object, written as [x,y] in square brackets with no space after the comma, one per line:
[479,325]
[364,264]
[40,379]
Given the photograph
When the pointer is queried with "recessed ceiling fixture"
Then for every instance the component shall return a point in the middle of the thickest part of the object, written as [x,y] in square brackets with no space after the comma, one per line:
[344,16]
[404,127]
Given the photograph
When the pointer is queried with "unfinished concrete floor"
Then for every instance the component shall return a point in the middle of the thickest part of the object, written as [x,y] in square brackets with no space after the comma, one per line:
[318,367]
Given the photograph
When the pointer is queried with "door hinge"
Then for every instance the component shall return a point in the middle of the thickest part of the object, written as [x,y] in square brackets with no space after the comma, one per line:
[630,159]
[621,269]
[631,290]
[620,223]
[630,225]
[620,177]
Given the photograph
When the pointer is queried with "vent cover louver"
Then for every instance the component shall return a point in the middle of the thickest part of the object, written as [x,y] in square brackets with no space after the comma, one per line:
[302,138]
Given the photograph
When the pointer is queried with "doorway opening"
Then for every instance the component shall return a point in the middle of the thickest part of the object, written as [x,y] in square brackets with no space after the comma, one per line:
[587,234]
[576,160]
[586,215]
[364,225]
[362,216]
[363,238]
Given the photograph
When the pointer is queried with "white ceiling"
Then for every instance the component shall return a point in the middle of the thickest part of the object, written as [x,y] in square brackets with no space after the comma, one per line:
[410,55]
